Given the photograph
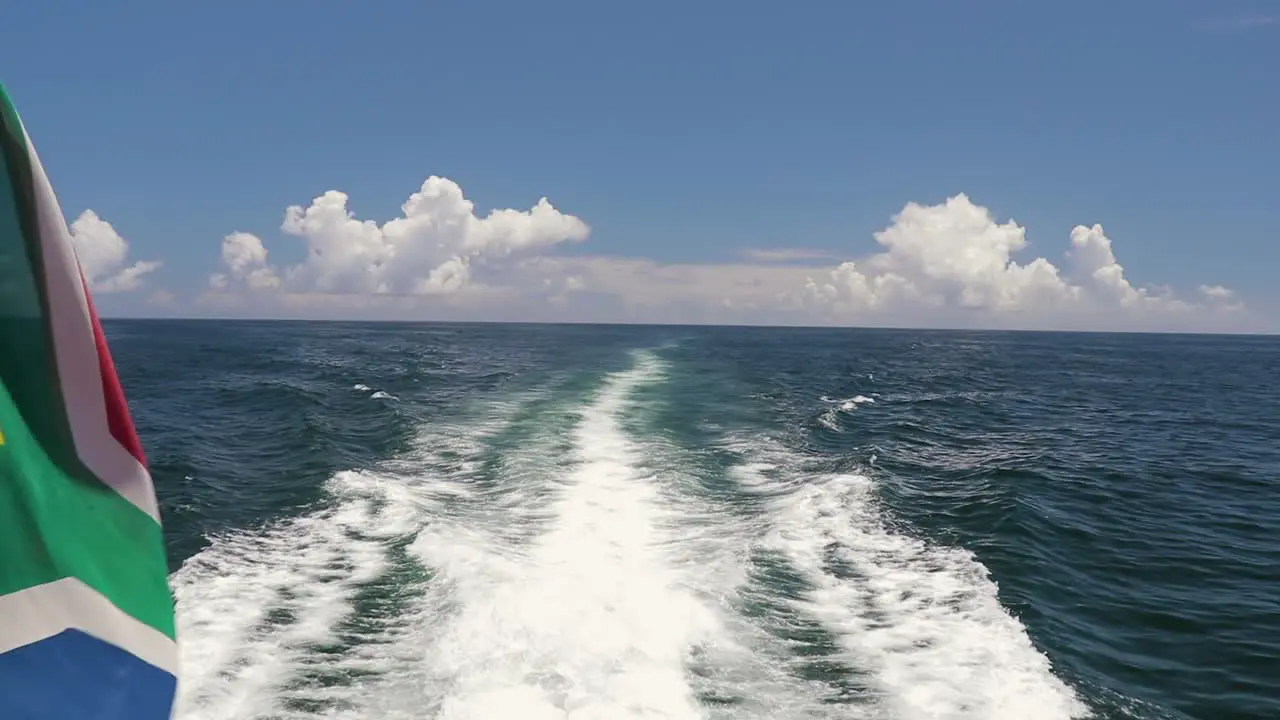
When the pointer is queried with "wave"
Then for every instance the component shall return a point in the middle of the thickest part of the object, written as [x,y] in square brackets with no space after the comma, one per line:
[921,622]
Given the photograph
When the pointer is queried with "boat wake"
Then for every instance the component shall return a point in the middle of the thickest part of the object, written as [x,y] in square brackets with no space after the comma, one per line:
[574,571]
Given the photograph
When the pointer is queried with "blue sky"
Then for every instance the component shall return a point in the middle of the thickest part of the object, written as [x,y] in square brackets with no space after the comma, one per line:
[682,134]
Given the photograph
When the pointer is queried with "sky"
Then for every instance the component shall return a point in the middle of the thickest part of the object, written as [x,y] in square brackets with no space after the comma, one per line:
[995,164]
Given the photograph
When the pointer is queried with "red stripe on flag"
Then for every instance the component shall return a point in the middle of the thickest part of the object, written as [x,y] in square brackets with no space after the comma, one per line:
[119,423]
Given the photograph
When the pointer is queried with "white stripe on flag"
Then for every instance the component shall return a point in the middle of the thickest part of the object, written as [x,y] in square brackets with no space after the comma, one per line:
[36,613]
[77,355]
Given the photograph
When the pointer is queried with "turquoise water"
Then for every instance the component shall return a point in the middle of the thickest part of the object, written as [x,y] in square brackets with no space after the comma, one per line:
[488,521]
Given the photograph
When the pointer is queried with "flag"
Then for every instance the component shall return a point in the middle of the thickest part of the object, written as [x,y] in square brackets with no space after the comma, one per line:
[86,615]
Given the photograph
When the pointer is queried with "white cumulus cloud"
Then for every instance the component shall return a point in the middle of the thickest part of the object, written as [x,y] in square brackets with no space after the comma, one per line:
[948,264]
[435,247]
[952,254]
[956,255]
[246,261]
[102,251]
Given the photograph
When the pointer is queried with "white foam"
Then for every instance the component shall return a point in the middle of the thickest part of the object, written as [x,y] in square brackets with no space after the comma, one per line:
[924,621]
[437,481]
[235,664]
[586,584]
[849,403]
[383,395]
[589,621]
[830,417]
[361,387]
[234,656]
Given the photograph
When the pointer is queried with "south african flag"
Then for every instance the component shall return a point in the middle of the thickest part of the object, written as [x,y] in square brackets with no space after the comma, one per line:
[86,616]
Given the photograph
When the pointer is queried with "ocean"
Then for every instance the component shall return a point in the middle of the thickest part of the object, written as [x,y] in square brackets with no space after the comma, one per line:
[541,522]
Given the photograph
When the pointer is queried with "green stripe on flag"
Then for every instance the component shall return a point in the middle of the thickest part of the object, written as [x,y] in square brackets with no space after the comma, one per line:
[53,525]
[27,365]
[57,519]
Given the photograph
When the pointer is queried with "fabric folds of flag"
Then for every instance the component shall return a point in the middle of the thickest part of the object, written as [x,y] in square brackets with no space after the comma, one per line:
[86,615]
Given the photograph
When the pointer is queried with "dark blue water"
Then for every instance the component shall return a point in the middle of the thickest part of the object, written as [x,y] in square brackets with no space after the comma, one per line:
[466,521]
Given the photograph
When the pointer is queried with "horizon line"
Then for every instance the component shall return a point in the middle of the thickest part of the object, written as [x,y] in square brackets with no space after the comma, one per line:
[641,323]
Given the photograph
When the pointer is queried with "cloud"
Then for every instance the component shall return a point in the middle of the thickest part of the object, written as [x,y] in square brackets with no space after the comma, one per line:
[955,256]
[1247,22]
[1221,297]
[436,247]
[101,252]
[246,261]
[951,264]
[787,255]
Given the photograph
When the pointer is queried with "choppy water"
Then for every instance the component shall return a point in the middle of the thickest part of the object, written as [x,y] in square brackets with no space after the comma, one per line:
[536,522]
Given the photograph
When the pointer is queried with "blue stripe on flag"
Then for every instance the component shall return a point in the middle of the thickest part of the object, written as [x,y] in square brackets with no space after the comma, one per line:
[75,676]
